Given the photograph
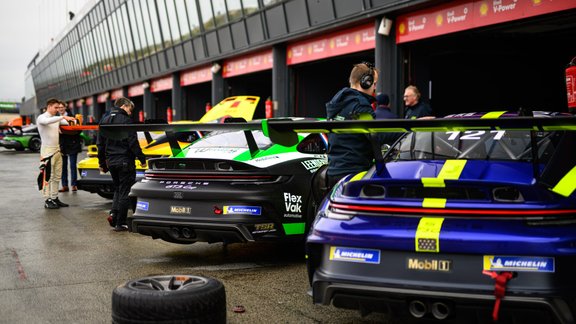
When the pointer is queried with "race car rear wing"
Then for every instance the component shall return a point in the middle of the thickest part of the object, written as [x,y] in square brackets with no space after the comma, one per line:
[284,130]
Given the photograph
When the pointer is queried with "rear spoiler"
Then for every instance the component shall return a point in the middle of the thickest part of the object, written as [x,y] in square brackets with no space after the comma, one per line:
[285,131]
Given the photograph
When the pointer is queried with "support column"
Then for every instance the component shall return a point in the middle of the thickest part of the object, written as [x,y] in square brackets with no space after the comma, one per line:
[109,104]
[282,105]
[177,107]
[94,111]
[218,84]
[149,111]
[388,62]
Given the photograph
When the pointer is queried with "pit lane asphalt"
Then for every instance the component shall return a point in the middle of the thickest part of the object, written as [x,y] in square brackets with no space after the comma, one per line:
[61,266]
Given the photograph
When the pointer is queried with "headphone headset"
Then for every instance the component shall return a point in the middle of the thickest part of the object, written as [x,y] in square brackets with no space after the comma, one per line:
[367,79]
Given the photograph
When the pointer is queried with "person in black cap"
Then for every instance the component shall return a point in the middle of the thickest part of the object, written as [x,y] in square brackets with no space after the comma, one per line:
[383,107]
[118,156]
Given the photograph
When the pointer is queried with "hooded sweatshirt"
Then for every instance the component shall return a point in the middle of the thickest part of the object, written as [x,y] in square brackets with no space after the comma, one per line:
[349,153]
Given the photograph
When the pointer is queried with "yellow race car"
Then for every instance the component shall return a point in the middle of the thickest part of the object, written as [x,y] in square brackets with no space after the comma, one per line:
[155,144]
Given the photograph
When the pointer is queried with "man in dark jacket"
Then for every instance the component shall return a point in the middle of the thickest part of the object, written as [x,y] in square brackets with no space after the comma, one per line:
[352,153]
[383,107]
[70,146]
[118,156]
[415,107]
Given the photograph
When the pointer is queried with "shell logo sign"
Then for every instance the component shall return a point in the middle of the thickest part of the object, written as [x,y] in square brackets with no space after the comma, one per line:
[469,14]
[402,28]
[483,9]
[439,20]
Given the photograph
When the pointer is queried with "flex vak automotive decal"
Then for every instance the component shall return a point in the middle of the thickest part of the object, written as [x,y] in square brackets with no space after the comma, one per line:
[293,205]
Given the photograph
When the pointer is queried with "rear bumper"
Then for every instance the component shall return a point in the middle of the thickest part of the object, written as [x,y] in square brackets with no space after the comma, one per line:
[95,185]
[11,144]
[393,285]
[93,181]
[460,306]
[186,232]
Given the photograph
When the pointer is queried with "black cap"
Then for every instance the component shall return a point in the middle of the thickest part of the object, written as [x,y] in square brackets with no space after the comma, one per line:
[382,99]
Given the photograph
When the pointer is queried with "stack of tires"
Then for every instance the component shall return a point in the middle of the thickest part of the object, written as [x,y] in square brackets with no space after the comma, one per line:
[169,299]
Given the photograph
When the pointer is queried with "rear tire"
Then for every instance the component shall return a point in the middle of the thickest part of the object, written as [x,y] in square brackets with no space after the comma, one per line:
[169,299]
[34,144]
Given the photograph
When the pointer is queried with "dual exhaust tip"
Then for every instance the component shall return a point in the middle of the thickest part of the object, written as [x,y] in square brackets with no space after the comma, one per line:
[438,309]
[183,232]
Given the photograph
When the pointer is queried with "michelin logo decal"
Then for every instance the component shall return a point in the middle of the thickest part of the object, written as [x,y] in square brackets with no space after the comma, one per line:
[518,263]
[249,210]
[142,205]
[338,253]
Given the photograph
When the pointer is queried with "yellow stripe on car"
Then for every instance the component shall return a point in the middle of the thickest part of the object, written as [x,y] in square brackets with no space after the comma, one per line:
[357,177]
[451,170]
[494,114]
[427,237]
[567,184]
[434,203]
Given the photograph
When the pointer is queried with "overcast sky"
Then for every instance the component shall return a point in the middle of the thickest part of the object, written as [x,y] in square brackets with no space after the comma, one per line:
[26,26]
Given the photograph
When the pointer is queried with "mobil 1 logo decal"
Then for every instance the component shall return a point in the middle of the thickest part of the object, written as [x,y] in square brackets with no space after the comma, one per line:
[293,205]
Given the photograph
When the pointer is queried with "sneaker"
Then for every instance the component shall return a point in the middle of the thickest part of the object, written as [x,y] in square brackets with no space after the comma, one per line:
[63,189]
[120,228]
[59,203]
[50,204]
[74,188]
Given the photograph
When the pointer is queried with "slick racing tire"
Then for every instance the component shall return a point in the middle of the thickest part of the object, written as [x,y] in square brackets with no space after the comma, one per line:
[169,299]
[35,144]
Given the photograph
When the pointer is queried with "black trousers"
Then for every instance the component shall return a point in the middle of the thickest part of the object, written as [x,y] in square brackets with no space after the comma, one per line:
[123,177]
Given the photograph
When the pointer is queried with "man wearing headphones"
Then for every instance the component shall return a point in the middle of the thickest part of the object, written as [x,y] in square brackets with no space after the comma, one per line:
[352,153]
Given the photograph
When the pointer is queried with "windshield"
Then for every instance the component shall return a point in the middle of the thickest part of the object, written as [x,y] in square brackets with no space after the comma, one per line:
[473,145]
[232,140]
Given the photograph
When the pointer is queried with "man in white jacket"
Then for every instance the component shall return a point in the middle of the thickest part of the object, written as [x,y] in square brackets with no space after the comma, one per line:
[48,127]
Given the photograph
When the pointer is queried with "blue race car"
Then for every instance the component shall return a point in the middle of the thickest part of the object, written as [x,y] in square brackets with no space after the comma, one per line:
[457,221]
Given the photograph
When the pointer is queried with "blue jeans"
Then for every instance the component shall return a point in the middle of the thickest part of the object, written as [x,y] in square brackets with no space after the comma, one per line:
[73,170]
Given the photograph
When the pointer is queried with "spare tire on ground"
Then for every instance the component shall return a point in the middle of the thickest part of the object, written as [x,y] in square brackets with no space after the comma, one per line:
[170,298]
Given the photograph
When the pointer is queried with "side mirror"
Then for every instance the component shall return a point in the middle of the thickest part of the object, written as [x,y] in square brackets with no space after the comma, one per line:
[313,144]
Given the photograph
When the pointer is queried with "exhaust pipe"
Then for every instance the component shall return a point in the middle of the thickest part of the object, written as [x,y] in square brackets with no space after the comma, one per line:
[417,308]
[186,232]
[174,232]
[440,310]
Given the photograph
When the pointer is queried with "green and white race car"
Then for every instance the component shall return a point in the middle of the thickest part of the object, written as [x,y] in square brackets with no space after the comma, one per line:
[230,186]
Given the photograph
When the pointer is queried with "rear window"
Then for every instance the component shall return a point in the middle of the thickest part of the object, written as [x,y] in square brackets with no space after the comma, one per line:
[473,145]
[232,140]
